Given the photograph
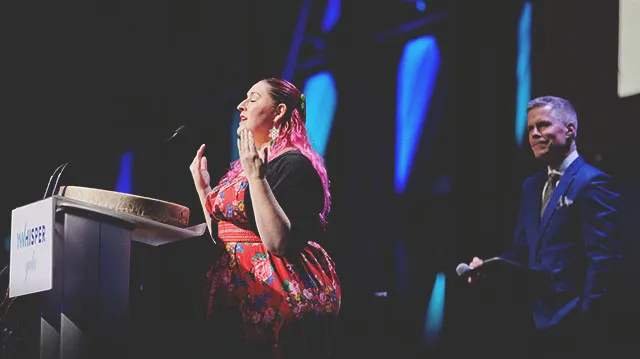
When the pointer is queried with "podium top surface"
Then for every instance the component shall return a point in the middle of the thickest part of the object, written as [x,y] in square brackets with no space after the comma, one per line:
[145,230]
[150,208]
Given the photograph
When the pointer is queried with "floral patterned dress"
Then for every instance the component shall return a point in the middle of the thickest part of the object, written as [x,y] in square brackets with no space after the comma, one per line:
[265,304]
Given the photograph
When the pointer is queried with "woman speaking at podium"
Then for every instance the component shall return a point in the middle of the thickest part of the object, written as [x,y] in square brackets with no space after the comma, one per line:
[274,291]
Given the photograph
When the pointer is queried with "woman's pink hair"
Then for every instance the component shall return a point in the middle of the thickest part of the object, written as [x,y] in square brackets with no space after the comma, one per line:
[292,133]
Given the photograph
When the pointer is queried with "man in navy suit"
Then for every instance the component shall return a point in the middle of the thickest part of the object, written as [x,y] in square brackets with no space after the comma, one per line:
[567,231]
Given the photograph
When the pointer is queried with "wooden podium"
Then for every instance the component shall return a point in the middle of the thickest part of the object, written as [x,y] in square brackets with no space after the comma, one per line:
[101,265]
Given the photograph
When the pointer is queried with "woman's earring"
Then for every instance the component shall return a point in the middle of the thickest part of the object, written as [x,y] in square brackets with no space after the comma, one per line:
[273,134]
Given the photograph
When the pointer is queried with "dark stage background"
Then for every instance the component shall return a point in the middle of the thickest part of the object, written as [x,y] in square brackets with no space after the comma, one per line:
[88,81]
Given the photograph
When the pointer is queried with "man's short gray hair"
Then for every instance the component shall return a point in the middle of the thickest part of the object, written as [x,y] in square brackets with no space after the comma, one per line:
[561,109]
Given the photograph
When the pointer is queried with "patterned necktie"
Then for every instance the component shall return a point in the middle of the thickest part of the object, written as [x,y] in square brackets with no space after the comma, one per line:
[552,181]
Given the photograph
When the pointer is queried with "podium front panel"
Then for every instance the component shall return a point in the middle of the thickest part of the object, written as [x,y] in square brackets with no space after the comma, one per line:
[90,311]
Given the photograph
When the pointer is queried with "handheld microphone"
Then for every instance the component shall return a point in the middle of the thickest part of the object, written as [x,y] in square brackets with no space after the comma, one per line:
[463,269]
[61,167]
[496,266]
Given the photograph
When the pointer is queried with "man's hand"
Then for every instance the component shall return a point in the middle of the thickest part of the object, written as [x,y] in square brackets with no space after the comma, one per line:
[476,263]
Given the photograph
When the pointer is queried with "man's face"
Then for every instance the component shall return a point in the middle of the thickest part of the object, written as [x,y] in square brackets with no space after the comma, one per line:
[549,136]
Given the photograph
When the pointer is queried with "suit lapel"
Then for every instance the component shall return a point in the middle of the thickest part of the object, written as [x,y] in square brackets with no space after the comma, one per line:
[563,186]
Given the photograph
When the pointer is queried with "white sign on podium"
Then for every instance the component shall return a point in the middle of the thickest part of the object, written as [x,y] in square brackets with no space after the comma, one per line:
[31,253]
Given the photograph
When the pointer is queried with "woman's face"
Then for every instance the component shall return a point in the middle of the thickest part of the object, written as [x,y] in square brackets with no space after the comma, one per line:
[258,113]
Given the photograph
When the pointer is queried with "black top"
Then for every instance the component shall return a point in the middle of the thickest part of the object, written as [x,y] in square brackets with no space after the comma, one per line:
[298,189]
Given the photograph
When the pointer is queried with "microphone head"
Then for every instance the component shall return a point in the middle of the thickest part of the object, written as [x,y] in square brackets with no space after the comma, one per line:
[179,130]
[462,269]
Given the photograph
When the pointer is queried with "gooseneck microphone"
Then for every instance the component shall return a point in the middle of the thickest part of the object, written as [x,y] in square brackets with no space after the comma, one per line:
[61,167]
[51,178]
[177,132]
[58,178]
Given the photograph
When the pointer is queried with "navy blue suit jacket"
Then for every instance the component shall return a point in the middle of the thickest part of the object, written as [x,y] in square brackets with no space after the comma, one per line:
[574,245]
